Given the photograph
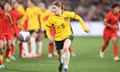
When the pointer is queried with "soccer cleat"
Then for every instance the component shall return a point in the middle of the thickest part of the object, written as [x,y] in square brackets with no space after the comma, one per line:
[65,70]
[101,54]
[38,54]
[49,55]
[2,66]
[60,67]
[116,59]
[73,54]
[12,58]
[8,60]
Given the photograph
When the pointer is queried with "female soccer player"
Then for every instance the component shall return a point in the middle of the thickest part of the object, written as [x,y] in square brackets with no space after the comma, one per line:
[7,32]
[110,31]
[63,34]
[32,16]
[1,38]
[43,18]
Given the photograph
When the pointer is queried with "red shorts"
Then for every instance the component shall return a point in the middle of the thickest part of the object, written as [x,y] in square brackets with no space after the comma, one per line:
[8,36]
[1,37]
[108,34]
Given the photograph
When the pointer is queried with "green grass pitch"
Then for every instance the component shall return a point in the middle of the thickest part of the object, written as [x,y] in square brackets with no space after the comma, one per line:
[87,59]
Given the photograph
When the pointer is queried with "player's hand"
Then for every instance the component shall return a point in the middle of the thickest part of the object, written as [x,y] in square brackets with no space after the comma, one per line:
[7,14]
[51,39]
[115,27]
[87,30]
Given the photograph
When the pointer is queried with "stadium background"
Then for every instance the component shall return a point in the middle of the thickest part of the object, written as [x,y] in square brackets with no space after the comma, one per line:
[86,48]
[92,11]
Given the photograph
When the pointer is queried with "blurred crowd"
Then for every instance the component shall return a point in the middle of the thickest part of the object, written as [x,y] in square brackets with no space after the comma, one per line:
[89,10]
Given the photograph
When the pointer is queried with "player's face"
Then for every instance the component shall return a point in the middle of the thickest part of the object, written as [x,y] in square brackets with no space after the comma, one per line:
[42,7]
[116,9]
[29,3]
[6,7]
[15,5]
[57,10]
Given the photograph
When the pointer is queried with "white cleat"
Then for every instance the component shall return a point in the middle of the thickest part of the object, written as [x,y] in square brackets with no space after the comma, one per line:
[49,55]
[73,54]
[2,66]
[116,58]
[101,54]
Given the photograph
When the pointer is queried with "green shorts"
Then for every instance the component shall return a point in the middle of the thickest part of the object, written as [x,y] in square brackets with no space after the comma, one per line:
[59,44]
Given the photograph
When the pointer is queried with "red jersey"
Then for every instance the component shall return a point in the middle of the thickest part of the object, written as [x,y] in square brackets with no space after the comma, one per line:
[6,25]
[1,20]
[111,19]
[15,16]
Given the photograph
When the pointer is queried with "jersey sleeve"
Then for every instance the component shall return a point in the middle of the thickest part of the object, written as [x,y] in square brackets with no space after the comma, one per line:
[48,26]
[24,18]
[108,17]
[73,15]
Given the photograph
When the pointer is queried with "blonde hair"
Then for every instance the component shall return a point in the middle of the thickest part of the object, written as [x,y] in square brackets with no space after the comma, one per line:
[58,3]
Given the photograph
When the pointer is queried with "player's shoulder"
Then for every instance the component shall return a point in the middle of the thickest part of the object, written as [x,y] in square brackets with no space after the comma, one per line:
[109,13]
[68,12]
[2,12]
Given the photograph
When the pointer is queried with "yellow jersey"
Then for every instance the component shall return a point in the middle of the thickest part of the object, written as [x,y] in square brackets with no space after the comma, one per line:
[44,18]
[32,16]
[21,9]
[62,25]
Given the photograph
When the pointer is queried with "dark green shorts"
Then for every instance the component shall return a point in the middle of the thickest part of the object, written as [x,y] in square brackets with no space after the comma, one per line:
[59,44]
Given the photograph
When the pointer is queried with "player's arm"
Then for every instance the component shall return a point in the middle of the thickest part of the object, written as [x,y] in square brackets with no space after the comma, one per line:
[84,27]
[78,18]
[48,28]
[109,25]
[10,18]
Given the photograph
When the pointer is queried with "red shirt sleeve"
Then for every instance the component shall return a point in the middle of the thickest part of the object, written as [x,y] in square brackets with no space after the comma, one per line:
[108,17]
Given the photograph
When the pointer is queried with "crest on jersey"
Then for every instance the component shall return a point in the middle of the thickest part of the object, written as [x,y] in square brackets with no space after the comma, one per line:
[66,18]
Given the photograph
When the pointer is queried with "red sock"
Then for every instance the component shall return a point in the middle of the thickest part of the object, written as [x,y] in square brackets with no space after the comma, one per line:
[21,48]
[52,31]
[115,48]
[12,50]
[7,53]
[103,48]
[70,50]
[51,47]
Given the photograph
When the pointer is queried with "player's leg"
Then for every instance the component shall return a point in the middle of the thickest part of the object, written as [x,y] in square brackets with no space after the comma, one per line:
[9,43]
[50,49]
[11,54]
[67,44]
[106,38]
[51,44]
[33,43]
[1,54]
[115,46]
[39,43]
[24,37]
[59,47]
[21,39]
[70,48]
[9,38]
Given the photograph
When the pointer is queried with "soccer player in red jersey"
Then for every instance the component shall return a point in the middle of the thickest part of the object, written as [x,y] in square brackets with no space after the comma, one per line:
[1,38]
[7,29]
[110,31]
[15,17]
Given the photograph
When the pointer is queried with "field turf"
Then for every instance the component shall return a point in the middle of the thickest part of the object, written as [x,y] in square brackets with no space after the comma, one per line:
[87,59]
